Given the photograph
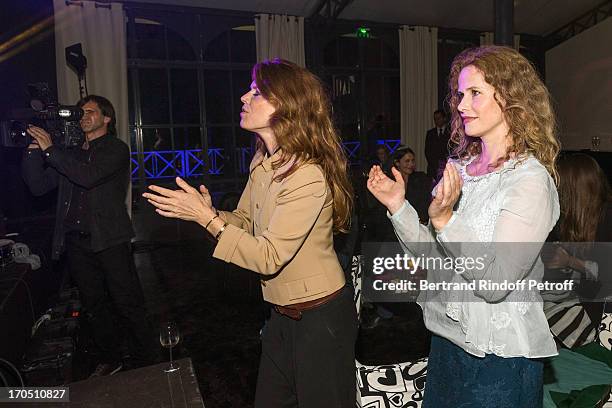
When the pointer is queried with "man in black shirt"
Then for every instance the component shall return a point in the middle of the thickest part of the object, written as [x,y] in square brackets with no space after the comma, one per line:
[436,145]
[93,228]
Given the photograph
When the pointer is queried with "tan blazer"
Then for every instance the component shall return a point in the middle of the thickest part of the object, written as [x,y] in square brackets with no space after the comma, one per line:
[283,231]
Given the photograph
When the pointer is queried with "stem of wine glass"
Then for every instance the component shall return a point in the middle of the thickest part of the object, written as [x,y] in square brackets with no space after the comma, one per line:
[171,365]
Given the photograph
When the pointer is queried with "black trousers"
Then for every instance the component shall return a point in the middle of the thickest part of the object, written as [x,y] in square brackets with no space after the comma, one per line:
[107,283]
[310,363]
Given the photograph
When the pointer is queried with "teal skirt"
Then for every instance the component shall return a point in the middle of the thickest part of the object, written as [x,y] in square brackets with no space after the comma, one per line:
[457,379]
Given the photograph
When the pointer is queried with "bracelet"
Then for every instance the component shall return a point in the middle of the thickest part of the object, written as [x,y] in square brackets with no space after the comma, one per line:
[220,231]
[211,220]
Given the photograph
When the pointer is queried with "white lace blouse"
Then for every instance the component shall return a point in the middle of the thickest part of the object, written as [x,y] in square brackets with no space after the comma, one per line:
[503,218]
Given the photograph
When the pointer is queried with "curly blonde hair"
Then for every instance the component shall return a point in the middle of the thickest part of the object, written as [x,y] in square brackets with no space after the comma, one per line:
[304,130]
[522,97]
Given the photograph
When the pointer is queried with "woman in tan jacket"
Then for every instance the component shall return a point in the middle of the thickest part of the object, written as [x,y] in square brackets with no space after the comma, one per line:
[297,195]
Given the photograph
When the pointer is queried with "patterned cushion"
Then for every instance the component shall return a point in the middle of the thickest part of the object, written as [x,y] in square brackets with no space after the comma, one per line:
[356,274]
[391,386]
[604,338]
[387,386]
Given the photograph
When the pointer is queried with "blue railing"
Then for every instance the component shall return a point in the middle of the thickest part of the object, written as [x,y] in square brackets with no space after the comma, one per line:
[171,163]
[191,163]
[391,144]
[352,152]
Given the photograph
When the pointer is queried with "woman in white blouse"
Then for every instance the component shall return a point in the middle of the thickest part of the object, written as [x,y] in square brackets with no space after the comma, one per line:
[496,204]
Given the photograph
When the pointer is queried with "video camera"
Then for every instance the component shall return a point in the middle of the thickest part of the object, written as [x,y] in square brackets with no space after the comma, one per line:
[60,121]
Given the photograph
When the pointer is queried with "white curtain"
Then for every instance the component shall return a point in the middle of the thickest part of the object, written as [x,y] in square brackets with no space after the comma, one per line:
[100,28]
[280,36]
[418,86]
[488,38]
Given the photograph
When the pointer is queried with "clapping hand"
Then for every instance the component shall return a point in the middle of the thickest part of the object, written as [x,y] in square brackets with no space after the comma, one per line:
[447,193]
[390,193]
[186,204]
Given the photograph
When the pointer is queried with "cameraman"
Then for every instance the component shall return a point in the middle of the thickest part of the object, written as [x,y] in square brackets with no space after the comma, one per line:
[93,227]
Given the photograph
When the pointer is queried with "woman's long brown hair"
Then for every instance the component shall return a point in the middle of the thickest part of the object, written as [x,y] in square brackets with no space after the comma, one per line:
[583,193]
[304,130]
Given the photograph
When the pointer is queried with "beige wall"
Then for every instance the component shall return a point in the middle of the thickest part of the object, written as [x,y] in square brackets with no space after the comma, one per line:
[579,77]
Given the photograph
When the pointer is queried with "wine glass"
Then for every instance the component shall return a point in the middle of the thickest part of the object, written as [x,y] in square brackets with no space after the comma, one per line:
[169,336]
